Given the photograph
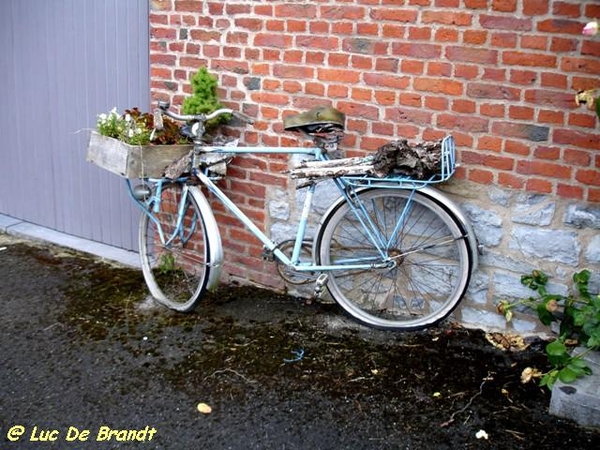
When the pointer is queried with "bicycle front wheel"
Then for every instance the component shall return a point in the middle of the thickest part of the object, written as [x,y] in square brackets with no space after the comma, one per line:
[174,249]
[418,252]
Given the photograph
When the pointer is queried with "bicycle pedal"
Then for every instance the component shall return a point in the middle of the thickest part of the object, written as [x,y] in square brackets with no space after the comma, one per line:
[320,283]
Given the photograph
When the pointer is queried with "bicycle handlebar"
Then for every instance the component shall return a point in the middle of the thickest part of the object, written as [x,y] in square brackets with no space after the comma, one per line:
[164,108]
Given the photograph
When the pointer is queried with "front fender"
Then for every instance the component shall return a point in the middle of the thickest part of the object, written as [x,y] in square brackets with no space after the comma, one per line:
[213,237]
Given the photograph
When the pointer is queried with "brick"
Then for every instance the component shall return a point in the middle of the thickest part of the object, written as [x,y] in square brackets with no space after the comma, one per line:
[510,180]
[588,176]
[534,42]
[576,138]
[491,143]
[536,7]
[412,66]
[587,120]
[471,124]
[504,5]
[419,34]
[461,19]
[394,15]
[590,48]
[346,12]
[272,40]
[409,115]
[295,10]
[481,176]
[570,191]
[417,50]
[526,131]
[543,168]
[504,40]
[464,106]
[475,37]
[554,80]
[473,55]
[466,71]
[520,112]
[493,91]
[250,24]
[492,110]
[498,162]
[581,65]
[593,195]
[523,77]
[577,157]
[338,75]
[551,153]
[563,45]
[540,185]
[517,148]
[386,80]
[560,26]
[508,23]
[447,35]
[551,117]
[439,69]
[439,85]
[516,58]
[436,103]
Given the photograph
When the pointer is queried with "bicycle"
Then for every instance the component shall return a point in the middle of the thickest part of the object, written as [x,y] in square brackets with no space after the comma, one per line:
[392,251]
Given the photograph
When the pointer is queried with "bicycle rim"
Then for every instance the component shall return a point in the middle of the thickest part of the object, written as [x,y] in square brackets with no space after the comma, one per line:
[176,268]
[423,250]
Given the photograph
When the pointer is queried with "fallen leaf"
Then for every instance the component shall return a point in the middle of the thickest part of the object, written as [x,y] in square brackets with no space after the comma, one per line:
[204,408]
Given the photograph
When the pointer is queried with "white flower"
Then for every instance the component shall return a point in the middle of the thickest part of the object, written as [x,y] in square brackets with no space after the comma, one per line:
[591,29]
[481,434]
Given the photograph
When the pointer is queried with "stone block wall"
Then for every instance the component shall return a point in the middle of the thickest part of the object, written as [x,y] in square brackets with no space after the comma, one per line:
[499,75]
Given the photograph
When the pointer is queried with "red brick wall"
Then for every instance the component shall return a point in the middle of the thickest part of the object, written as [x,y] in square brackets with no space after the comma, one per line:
[500,75]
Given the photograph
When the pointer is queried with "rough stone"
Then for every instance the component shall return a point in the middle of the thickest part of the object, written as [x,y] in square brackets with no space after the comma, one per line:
[478,288]
[508,286]
[583,216]
[279,208]
[552,245]
[487,224]
[482,319]
[580,400]
[500,261]
[592,253]
[533,209]
[499,196]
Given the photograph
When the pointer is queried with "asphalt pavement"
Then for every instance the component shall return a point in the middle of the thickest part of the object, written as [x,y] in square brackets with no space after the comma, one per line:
[89,362]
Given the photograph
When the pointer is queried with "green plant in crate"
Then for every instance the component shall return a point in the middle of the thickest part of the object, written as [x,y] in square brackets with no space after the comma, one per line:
[135,127]
[578,315]
[204,98]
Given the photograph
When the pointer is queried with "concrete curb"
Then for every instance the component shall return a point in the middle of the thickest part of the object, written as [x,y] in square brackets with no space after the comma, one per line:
[17,227]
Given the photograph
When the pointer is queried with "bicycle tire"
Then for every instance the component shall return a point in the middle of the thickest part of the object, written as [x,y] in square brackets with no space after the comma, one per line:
[429,260]
[177,272]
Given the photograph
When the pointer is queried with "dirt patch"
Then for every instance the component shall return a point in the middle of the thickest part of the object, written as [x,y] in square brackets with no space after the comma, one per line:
[281,374]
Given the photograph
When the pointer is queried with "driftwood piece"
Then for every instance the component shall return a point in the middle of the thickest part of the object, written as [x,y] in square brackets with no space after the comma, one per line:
[419,161]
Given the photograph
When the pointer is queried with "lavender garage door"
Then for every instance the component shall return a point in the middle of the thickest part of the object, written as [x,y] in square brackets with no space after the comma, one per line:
[63,62]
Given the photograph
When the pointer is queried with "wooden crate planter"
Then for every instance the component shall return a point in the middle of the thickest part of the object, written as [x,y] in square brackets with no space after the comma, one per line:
[133,161]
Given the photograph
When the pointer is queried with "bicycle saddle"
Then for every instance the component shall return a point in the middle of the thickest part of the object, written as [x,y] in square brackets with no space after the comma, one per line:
[310,121]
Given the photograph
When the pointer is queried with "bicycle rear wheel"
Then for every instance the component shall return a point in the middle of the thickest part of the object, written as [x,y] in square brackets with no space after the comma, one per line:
[423,258]
[176,265]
